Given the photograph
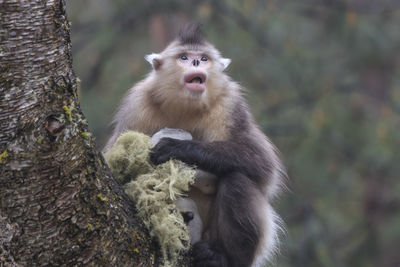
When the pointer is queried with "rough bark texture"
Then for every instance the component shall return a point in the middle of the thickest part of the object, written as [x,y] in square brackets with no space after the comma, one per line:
[59,204]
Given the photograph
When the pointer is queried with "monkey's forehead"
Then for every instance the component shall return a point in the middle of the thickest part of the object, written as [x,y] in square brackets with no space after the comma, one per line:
[175,48]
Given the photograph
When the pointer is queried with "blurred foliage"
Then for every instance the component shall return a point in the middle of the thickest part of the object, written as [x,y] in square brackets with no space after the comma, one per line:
[324,83]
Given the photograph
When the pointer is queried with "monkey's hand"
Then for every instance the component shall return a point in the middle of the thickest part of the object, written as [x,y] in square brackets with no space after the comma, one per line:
[166,149]
[218,157]
[204,254]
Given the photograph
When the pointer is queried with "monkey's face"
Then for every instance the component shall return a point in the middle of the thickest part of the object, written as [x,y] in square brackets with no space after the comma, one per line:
[195,67]
[189,77]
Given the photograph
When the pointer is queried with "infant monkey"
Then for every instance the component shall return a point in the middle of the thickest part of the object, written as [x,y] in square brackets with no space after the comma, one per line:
[188,89]
[204,182]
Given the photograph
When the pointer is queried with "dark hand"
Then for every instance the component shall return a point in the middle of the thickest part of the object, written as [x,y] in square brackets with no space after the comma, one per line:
[206,255]
[165,149]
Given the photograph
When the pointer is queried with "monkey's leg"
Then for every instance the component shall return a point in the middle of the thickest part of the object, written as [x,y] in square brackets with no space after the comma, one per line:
[236,226]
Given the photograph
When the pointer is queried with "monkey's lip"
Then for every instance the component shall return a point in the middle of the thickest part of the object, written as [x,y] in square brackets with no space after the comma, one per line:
[195,82]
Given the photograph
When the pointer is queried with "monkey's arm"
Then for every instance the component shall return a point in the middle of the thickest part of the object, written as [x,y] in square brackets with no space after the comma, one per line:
[219,157]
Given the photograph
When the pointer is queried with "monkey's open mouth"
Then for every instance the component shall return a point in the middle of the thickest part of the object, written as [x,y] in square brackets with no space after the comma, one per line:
[195,82]
[196,79]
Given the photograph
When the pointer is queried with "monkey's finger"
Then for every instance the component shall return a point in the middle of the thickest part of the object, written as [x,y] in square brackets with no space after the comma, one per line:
[155,158]
[158,157]
[163,151]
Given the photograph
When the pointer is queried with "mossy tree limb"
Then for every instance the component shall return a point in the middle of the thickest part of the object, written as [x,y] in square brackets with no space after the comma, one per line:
[59,203]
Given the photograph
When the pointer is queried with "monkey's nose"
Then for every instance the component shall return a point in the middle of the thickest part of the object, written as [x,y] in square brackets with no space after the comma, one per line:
[187,216]
[196,62]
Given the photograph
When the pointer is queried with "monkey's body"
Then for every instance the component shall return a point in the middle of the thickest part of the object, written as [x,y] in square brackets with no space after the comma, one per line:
[240,227]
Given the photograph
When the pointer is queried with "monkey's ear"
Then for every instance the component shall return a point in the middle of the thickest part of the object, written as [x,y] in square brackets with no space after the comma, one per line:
[154,60]
[225,62]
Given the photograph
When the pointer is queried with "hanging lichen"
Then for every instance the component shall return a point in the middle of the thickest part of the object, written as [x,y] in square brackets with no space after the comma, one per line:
[154,190]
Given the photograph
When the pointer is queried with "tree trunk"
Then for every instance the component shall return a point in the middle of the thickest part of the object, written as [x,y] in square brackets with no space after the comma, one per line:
[59,203]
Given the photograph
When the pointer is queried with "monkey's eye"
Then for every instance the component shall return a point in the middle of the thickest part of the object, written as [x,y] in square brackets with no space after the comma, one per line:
[184,57]
[204,58]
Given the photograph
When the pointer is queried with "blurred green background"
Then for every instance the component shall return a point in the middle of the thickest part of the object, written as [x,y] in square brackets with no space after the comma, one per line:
[323,80]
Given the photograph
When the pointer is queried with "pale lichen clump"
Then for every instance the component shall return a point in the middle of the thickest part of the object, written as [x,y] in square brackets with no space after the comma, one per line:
[154,190]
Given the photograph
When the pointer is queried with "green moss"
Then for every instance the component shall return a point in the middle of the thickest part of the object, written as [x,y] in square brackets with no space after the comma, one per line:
[65,26]
[86,134]
[3,157]
[102,198]
[136,236]
[68,113]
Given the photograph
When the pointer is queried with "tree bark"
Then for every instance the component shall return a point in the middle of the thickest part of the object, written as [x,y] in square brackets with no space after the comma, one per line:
[59,203]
